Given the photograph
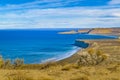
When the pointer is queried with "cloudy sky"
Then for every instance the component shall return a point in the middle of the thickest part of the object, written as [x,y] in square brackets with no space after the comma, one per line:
[21,14]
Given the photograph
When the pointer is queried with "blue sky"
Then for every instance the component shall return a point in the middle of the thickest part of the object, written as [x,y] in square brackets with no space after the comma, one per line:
[21,14]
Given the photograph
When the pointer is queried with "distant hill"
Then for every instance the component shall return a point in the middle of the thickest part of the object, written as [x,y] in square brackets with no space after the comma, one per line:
[104,31]
[108,31]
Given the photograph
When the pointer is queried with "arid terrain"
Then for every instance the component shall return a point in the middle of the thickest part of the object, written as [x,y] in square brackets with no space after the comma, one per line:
[71,69]
[100,61]
[106,31]
[103,31]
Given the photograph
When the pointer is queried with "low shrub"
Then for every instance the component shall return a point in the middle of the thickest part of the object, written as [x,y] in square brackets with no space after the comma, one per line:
[18,62]
[7,64]
[92,57]
[1,62]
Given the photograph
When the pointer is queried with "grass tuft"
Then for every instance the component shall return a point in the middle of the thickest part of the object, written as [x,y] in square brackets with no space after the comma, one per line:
[80,78]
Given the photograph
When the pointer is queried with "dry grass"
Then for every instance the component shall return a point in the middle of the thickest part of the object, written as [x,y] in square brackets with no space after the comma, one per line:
[66,72]
[108,31]
[80,78]
[105,70]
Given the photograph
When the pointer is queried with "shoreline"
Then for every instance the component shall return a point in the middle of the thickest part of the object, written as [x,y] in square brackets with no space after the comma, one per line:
[73,58]
[68,54]
[74,55]
[101,31]
[62,57]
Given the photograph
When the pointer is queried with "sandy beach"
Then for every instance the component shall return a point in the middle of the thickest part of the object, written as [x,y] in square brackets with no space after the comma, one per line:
[68,69]
[59,39]
[106,45]
[99,61]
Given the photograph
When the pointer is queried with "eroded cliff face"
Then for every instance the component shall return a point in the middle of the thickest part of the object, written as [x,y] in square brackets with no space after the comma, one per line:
[106,31]
[99,61]
[110,47]
[69,32]
[81,44]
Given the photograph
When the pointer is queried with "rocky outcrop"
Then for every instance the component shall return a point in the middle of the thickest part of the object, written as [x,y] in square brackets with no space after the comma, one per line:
[81,44]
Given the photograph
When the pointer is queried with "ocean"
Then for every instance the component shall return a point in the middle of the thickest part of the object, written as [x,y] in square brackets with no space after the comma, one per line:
[40,45]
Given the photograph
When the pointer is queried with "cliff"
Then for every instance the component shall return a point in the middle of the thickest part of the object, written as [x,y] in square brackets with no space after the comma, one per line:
[69,32]
[103,31]
[106,31]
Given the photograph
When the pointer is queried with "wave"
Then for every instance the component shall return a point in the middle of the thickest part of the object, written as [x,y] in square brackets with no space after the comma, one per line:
[60,57]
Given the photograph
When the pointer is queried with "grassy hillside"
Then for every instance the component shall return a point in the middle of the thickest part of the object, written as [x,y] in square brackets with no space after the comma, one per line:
[104,31]
[101,61]
[108,31]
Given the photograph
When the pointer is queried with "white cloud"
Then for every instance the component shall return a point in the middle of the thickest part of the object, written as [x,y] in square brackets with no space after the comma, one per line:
[112,2]
[60,17]
[41,4]
[116,14]
[37,17]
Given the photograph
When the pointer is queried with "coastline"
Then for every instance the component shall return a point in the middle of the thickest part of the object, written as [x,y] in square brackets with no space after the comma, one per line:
[68,54]
[99,31]
[103,44]
[69,68]
[72,58]
[111,32]
[62,57]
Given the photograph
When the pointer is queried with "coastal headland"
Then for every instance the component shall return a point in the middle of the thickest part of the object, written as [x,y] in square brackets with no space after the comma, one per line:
[71,69]
[99,60]
[109,46]
[102,31]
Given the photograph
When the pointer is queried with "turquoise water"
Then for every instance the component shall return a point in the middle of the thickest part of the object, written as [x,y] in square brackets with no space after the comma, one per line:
[36,46]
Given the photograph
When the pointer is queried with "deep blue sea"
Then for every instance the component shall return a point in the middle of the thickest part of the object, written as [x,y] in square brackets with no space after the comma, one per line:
[37,46]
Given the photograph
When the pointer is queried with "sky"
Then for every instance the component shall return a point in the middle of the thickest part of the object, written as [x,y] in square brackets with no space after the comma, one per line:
[28,14]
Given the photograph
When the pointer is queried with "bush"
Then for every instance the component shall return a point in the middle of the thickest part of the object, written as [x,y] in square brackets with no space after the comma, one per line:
[7,64]
[92,57]
[18,62]
[1,62]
